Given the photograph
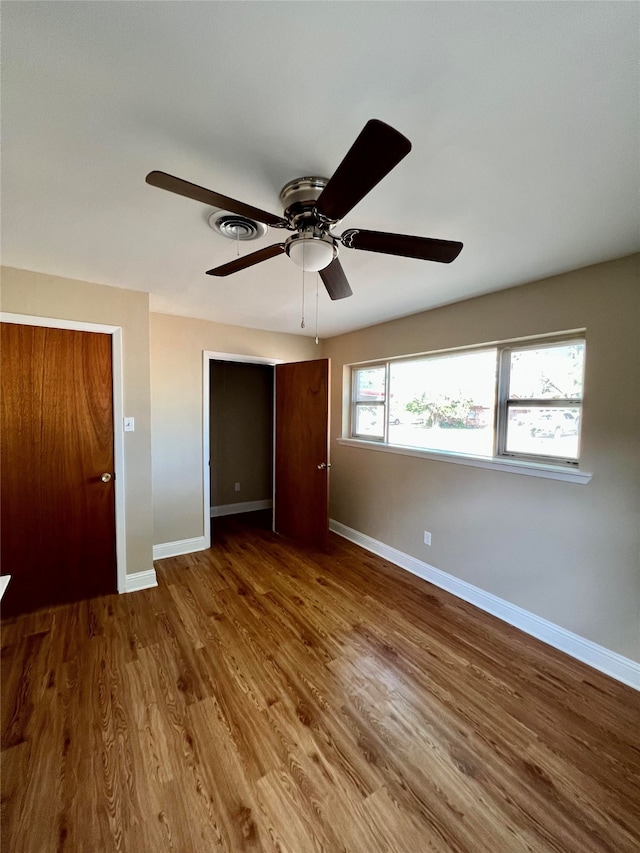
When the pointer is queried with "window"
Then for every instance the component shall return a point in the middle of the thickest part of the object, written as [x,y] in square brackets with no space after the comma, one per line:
[541,407]
[520,401]
[369,402]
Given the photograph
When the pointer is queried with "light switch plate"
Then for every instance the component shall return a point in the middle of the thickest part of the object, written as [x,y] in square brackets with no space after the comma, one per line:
[129,425]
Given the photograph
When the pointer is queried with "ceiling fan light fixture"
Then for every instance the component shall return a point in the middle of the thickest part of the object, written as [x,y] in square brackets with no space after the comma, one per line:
[311,252]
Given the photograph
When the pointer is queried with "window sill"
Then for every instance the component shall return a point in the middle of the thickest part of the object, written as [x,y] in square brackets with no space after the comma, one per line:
[509,466]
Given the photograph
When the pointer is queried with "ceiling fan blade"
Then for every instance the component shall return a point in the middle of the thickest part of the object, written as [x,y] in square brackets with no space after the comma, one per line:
[376,151]
[422,248]
[248,260]
[335,280]
[177,185]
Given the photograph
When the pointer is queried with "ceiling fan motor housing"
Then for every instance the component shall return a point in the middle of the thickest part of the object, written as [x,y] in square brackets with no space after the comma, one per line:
[298,198]
[302,191]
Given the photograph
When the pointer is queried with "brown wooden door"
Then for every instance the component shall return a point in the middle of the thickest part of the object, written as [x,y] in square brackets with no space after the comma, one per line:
[302,451]
[56,433]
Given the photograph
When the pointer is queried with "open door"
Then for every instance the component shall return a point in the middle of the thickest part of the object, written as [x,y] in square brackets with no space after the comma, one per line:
[301,490]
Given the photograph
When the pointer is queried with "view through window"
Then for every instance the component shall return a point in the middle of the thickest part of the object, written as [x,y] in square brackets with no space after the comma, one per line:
[543,403]
[521,401]
[444,403]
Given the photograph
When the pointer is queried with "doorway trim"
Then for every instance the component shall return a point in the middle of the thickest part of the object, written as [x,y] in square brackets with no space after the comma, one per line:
[207,357]
[118,409]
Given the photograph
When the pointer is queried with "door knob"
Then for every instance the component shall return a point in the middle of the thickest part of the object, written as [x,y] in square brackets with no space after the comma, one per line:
[105,477]
[324,465]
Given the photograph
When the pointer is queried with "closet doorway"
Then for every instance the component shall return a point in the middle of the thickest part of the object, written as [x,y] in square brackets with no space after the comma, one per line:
[269,426]
[240,437]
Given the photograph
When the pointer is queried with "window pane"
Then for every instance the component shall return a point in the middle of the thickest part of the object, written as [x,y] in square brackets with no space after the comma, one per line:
[444,403]
[369,384]
[369,420]
[544,432]
[547,373]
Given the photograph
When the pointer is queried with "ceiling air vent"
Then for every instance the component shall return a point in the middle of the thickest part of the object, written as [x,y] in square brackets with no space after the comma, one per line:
[236,227]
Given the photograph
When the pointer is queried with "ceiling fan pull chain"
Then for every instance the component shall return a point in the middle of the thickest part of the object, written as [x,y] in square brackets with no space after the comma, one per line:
[317,278]
[302,323]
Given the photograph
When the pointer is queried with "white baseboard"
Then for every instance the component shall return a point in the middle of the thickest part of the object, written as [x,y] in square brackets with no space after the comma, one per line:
[244,506]
[621,668]
[141,580]
[180,546]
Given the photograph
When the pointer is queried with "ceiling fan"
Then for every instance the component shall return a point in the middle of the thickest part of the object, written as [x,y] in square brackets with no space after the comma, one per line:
[313,207]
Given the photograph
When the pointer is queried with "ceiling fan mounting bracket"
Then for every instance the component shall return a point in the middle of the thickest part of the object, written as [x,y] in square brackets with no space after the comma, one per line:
[347,238]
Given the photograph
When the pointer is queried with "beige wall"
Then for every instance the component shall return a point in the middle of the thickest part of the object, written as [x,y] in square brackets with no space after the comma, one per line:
[241,432]
[567,552]
[24,292]
[177,345]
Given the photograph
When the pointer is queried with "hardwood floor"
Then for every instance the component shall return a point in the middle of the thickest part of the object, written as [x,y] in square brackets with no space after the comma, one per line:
[266,698]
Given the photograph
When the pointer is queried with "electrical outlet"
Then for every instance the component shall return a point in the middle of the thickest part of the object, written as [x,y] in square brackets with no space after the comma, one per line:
[237,487]
[427,538]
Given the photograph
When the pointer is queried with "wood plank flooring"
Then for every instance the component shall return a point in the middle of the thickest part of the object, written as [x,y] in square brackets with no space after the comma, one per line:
[268,698]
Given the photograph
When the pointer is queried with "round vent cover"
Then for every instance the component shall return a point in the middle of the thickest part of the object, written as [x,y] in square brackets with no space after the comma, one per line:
[236,227]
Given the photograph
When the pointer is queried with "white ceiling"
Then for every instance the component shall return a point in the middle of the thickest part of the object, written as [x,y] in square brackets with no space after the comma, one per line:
[524,120]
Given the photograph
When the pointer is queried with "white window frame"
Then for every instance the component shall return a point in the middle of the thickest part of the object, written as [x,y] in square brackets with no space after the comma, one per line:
[504,401]
[384,404]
